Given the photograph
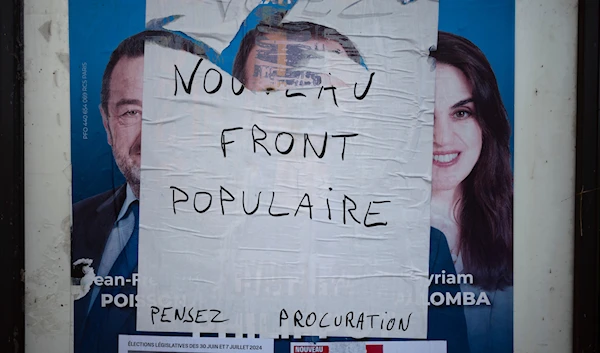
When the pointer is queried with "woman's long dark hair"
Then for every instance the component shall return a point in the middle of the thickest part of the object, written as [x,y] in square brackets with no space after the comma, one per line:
[486,213]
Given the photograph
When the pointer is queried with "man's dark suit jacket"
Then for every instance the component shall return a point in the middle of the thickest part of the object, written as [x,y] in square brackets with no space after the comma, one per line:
[93,219]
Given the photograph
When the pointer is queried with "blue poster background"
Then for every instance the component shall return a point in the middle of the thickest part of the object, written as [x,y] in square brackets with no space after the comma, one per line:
[98,26]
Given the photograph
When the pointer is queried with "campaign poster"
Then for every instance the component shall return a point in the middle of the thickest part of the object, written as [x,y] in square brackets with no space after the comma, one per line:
[467,262]
[290,197]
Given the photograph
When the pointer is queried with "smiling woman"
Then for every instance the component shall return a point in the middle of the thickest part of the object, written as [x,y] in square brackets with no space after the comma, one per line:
[472,192]
[457,142]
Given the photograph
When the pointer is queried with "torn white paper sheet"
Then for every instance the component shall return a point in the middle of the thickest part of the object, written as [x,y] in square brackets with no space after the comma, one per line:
[304,211]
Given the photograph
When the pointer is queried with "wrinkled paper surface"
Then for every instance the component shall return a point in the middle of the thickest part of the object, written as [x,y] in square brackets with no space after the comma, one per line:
[224,264]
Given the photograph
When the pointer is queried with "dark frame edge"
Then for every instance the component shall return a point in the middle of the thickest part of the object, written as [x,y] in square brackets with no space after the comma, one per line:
[586,270]
[12,212]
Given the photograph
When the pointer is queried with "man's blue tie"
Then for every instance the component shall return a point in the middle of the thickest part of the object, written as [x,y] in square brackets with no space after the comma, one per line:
[127,261]
[104,324]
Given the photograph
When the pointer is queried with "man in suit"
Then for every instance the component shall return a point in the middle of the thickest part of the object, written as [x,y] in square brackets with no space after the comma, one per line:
[105,226]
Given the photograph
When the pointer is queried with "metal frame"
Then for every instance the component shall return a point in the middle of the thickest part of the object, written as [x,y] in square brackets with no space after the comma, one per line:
[12,212]
[587,181]
[586,318]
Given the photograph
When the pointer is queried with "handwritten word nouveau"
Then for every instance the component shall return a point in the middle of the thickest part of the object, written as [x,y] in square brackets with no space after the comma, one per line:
[187,87]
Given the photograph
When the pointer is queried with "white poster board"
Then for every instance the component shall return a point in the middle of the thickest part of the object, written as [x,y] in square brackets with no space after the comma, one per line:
[290,215]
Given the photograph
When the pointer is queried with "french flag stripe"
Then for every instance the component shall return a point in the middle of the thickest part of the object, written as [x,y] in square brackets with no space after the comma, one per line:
[374,348]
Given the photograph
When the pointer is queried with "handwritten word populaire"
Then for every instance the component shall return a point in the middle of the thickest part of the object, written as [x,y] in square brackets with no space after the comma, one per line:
[203,200]
[187,87]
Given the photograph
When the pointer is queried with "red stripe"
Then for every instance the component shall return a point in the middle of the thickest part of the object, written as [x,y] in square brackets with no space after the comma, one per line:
[374,348]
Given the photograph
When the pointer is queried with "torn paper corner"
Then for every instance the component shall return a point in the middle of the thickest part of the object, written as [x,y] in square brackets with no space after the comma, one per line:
[81,289]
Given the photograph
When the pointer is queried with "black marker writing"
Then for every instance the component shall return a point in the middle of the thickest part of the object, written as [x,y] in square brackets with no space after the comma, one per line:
[203,203]
[187,88]
[349,320]
[186,314]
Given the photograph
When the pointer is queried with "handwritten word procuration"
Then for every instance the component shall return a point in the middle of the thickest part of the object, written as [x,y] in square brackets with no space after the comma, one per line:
[360,321]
